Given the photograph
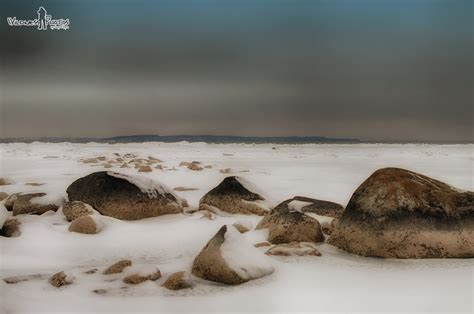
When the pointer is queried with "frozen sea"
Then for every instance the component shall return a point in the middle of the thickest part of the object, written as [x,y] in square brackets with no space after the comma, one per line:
[335,282]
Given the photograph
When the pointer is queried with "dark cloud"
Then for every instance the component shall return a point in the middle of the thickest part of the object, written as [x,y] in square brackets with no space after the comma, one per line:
[376,70]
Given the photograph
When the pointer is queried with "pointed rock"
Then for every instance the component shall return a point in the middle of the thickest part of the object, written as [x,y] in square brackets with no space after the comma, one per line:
[233,195]
[228,258]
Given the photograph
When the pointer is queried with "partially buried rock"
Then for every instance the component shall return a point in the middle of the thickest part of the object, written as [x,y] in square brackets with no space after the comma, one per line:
[61,279]
[10,200]
[145,169]
[89,224]
[117,267]
[179,280]
[35,204]
[290,226]
[311,205]
[402,214]
[142,273]
[327,227]
[76,209]
[11,228]
[294,249]
[234,195]
[228,258]
[124,196]
[243,226]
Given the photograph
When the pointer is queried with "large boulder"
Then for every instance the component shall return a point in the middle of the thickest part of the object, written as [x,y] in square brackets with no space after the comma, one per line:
[35,204]
[228,258]
[286,226]
[234,195]
[311,205]
[123,196]
[402,214]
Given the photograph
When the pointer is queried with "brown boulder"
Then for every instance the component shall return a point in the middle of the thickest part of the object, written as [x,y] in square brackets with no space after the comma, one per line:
[290,226]
[123,196]
[31,204]
[76,209]
[232,196]
[177,281]
[402,214]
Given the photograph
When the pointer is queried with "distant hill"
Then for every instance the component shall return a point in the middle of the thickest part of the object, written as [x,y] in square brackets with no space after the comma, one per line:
[219,139]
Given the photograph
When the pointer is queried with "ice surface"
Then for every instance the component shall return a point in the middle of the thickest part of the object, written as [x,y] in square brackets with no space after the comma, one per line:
[334,282]
[242,257]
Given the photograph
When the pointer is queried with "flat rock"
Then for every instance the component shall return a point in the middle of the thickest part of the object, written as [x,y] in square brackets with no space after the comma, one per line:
[311,205]
[32,204]
[294,249]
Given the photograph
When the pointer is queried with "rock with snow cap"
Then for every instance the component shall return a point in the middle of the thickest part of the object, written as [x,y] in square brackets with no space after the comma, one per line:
[36,203]
[124,196]
[234,195]
[228,258]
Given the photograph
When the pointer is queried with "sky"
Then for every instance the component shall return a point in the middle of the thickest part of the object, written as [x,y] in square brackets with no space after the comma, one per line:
[378,70]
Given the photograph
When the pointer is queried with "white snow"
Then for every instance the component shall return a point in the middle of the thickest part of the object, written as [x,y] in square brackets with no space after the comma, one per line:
[296,205]
[141,270]
[4,215]
[335,282]
[146,185]
[49,199]
[242,257]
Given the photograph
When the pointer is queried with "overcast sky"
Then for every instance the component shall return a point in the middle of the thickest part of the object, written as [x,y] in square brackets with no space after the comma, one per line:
[373,70]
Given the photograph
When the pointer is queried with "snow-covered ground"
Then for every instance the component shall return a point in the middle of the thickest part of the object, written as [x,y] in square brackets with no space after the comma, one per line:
[336,281]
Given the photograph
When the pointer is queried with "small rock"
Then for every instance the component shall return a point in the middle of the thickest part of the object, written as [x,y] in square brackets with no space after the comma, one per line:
[75,209]
[260,244]
[208,215]
[226,170]
[61,279]
[11,228]
[294,249]
[5,181]
[241,228]
[89,160]
[89,224]
[151,273]
[183,189]
[144,169]
[101,158]
[177,281]
[91,271]
[25,204]
[107,165]
[117,267]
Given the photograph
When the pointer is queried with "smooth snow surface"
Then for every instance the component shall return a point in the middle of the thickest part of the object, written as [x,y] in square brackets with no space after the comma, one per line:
[296,205]
[4,215]
[334,282]
[242,257]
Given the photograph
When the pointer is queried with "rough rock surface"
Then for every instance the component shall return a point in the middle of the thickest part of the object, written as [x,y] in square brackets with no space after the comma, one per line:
[88,224]
[117,267]
[11,228]
[151,273]
[177,281]
[211,264]
[76,209]
[124,197]
[311,205]
[24,204]
[233,197]
[10,200]
[327,227]
[402,214]
[294,249]
[60,279]
[290,226]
